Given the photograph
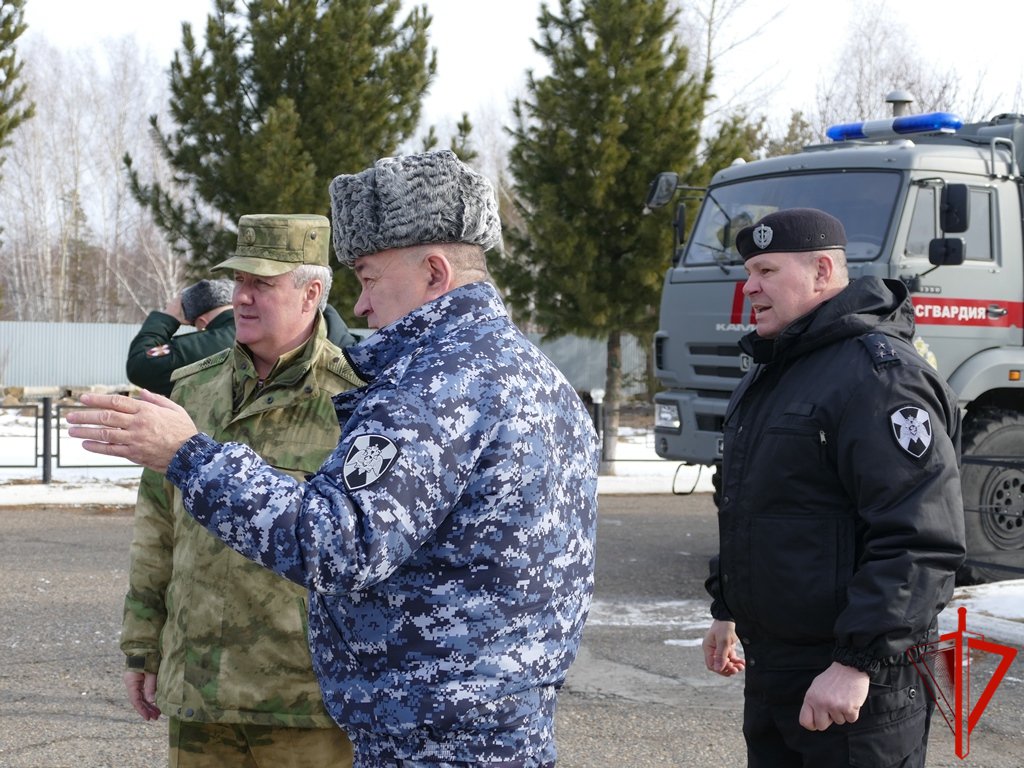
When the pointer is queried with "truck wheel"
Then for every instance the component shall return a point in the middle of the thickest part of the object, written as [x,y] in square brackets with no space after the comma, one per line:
[993,495]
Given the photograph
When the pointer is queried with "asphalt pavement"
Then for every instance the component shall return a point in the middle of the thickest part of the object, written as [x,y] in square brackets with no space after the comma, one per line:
[637,697]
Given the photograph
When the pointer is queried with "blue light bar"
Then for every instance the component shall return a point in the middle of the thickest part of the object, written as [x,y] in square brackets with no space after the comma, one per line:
[894,127]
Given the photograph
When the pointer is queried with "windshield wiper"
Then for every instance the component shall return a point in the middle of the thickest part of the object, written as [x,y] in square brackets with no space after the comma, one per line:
[719,254]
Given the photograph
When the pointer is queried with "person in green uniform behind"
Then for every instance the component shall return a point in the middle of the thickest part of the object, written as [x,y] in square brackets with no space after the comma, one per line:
[212,640]
[158,349]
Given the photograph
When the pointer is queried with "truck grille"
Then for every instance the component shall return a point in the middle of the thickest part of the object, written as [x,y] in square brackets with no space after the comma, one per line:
[707,422]
[720,361]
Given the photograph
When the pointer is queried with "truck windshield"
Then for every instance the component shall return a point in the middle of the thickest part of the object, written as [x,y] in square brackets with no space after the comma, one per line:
[863,201]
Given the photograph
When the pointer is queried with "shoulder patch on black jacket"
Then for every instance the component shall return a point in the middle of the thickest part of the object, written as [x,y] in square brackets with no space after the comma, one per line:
[880,349]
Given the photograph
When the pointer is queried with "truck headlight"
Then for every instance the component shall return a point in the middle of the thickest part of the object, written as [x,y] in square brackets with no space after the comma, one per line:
[666,416]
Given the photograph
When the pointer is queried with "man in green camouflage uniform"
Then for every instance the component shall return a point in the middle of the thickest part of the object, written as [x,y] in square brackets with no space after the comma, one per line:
[214,641]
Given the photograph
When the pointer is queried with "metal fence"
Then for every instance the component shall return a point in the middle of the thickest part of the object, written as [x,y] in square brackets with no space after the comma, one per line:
[46,438]
[48,433]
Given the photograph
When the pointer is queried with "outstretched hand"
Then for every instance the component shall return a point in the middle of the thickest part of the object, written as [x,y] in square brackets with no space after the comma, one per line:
[148,430]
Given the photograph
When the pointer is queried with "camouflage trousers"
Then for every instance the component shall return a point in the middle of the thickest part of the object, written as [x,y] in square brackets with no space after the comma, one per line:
[232,745]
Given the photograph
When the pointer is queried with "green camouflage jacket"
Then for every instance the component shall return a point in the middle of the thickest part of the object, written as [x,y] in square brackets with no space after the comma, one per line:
[227,637]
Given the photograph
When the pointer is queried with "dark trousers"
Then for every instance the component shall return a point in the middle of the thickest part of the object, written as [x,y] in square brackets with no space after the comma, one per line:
[891,732]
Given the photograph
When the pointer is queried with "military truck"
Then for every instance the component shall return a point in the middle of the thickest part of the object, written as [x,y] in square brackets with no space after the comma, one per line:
[925,199]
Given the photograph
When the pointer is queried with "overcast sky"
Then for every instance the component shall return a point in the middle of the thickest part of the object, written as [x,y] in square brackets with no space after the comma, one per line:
[782,47]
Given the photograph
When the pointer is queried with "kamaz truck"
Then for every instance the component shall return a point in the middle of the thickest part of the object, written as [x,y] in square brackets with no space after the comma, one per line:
[925,199]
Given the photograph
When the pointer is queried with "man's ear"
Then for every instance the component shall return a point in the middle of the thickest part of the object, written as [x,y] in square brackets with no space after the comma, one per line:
[314,290]
[824,268]
[440,274]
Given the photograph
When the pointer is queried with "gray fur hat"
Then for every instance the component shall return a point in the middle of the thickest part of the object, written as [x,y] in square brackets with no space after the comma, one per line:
[205,295]
[410,200]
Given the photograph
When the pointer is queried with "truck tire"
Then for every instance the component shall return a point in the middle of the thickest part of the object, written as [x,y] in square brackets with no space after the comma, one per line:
[993,495]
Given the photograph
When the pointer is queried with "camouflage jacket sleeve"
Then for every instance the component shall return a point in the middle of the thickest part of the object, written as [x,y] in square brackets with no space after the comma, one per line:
[311,533]
[150,570]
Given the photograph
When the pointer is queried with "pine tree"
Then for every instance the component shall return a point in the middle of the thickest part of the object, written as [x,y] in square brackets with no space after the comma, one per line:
[620,105]
[798,135]
[737,137]
[285,95]
[14,110]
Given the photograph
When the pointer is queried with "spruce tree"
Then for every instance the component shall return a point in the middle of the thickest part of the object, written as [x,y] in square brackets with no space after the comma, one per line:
[798,135]
[283,96]
[620,105]
[14,109]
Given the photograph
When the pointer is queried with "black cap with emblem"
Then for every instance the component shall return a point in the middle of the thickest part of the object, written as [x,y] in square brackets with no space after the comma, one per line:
[791,230]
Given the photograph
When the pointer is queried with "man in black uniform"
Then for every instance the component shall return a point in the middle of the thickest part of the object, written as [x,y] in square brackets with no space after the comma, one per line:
[840,519]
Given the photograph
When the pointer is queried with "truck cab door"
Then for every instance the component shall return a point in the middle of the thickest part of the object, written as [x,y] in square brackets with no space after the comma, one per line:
[963,309]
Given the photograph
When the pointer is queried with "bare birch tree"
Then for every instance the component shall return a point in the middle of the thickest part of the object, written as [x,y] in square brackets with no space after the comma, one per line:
[79,247]
[879,58]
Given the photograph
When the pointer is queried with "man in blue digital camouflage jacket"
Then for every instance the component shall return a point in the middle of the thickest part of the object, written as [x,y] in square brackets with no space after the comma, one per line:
[448,542]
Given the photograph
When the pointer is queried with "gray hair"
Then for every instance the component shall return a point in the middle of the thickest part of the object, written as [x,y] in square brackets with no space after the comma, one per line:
[468,261]
[840,270]
[307,273]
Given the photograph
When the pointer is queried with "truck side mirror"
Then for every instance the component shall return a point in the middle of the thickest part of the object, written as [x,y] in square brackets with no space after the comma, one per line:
[662,189]
[954,209]
[946,251]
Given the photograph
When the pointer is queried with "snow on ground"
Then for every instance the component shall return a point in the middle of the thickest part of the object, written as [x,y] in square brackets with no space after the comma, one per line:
[78,477]
[86,478]
[994,610]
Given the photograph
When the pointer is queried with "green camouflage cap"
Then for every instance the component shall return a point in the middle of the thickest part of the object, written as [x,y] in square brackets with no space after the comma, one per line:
[272,244]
